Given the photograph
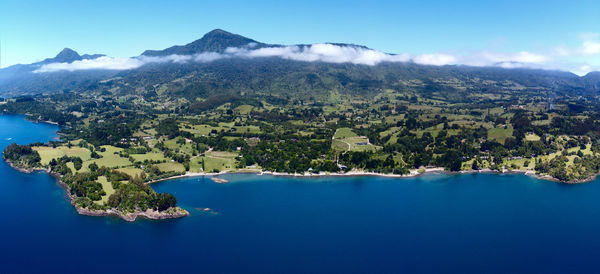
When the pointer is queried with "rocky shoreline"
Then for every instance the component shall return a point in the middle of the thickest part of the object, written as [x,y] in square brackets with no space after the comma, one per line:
[170,213]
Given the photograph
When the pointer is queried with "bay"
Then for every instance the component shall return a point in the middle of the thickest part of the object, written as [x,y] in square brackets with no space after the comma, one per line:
[475,223]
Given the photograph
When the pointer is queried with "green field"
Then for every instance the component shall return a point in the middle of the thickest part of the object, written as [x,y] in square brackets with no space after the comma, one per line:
[532,137]
[186,147]
[107,186]
[131,171]
[109,158]
[150,156]
[49,153]
[344,132]
[171,166]
[201,130]
[244,109]
[218,160]
[500,134]
[353,144]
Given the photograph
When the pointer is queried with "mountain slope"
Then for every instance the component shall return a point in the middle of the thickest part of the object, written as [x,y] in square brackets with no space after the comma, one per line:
[215,41]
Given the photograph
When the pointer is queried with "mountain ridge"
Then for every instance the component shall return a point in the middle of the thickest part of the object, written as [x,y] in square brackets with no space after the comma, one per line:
[255,73]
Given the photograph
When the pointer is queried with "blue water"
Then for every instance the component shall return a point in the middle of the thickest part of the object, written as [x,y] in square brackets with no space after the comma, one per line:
[264,224]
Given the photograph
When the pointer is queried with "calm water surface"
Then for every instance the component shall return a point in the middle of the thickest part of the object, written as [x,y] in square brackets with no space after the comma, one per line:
[264,224]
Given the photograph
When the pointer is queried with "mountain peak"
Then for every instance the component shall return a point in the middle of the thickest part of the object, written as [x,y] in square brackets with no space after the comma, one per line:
[218,32]
[67,55]
[216,40]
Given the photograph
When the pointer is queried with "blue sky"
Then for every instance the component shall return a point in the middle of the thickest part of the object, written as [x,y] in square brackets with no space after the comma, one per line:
[558,34]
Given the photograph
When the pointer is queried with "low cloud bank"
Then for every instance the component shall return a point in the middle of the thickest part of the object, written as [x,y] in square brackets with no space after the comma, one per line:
[318,52]
[330,53]
[104,62]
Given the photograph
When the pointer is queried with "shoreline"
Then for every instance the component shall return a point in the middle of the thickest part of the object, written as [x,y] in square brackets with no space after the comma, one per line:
[171,213]
[177,212]
[413,173]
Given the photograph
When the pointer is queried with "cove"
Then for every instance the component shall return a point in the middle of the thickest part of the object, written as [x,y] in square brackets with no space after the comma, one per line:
[469,223]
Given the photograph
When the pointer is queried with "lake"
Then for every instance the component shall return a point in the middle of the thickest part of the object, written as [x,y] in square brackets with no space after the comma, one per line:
[483,223]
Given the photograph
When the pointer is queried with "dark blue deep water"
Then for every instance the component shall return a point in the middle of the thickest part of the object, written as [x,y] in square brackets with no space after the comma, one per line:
[264,224]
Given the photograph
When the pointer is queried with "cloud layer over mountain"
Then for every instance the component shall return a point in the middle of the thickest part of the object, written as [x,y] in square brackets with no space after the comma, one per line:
[331,53]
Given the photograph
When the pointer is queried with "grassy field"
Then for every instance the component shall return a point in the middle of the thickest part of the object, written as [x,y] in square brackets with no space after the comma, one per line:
[586,151]
[532,137]
[520,163]
[151,156]
[500,134]
[344,132]
[171,166]
[71,166]
[339,145]
[219,160]
[244,109]
[248,129]
[353,144]
[109,158]
[435,131]
[201,130]
[131,171]
[186,148]
[107,186]
[49,153]
[359,144]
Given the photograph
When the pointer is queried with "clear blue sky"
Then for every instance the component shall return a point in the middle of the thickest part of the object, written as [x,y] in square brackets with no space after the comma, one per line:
[33,30]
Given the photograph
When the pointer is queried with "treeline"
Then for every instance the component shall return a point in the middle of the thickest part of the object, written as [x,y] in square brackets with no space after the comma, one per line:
[38,110]
[22,156]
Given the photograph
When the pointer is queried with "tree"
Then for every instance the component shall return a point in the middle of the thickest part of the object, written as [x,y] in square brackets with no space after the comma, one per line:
[475,165]
[165,201]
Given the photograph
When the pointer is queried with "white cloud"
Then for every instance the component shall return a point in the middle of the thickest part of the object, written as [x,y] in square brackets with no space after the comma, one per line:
[329,53]
[104,62]
[591,47]
[436,59]
[321,52]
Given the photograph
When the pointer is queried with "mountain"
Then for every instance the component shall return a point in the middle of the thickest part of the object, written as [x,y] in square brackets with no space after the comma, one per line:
[277,77]
[592,80]
[21,78]
[215,41]
[68,55]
